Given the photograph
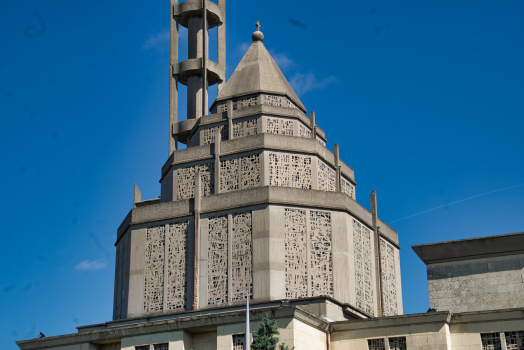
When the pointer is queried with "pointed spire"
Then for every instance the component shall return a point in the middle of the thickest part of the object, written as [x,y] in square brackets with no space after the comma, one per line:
[256,73]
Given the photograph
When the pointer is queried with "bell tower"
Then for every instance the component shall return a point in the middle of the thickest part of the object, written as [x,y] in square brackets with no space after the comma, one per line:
[197,72]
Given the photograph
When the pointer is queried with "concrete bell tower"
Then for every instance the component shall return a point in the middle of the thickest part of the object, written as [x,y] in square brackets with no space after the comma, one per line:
[197,72]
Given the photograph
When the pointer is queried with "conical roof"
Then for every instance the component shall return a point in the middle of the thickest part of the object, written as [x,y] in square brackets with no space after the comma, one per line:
[257,72]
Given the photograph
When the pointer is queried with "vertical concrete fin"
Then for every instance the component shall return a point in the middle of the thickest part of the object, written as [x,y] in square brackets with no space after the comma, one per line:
[137,196]
[378,259]
[313,125]
[337,166]
[230,119]
[217,170]
[218,139]
[198,190]
[221,33]
[204,58]
[173,80]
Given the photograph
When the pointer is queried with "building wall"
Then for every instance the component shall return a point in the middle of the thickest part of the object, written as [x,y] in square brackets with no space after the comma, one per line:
[249,126]
[475,285]
[254,169]
[269,251]
[417,337]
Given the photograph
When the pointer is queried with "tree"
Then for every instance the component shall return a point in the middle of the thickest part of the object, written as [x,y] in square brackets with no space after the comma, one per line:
[265,338]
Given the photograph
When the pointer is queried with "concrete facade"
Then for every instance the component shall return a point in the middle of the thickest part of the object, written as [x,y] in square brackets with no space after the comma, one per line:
[271,278]
[256,204]
[298,327]
[485,273]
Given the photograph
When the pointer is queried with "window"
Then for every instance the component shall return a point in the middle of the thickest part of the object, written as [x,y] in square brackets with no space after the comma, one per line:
[164,346]
[376,344]
[397,343]
[142,347]
[490,341]
[238,341]
[514,340]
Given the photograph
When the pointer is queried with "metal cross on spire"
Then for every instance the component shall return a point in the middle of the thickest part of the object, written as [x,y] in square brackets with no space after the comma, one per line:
[258,25]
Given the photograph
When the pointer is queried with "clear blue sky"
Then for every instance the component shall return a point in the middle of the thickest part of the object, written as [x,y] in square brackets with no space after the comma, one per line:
[425,98]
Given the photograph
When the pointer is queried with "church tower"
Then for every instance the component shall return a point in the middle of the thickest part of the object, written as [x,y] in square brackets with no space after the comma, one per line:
[255,205]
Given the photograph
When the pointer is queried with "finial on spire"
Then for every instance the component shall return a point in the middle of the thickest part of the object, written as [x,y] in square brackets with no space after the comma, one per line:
[257,36]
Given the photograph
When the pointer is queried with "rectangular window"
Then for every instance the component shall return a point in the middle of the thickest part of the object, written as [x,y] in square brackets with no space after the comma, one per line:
[397,343]
[164,346]
[238,341]
[490,341]
[376,344]
[514,340]
[142,347]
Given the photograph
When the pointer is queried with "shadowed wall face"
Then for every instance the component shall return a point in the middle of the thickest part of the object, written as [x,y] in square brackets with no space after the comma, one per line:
[477,285]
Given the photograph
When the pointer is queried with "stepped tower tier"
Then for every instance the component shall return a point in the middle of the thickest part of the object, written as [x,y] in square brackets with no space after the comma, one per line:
[255,204]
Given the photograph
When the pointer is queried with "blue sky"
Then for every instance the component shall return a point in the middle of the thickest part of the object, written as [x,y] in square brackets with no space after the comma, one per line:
[425,98]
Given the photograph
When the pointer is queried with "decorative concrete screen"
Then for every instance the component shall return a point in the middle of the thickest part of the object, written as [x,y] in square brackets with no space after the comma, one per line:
[295,248]
[280,126]
[290,170]
[229,264]
[301,240]
[363,267]
[241,257]
[490,341]
[217,264]
[320,247]
[154,270]
[245,128]
[166,269]
[303,131]
[326,177]
[186,180]
[244,102]
[397,343]
[207,136]
[322,142]
[239,173]
[347,187]
[376,344]
[176,240]
[389,282]
[238,341]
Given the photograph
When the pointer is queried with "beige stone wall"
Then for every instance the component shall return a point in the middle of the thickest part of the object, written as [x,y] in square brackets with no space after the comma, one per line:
[177,340]
[82,346]
[418,337]
[476,285]
[305,337]
[225,333]
[466,335]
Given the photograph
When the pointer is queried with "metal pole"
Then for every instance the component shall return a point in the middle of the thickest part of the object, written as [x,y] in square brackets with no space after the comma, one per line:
[247,343]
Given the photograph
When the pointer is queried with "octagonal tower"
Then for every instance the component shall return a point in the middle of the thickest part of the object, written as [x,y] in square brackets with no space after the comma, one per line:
[255,205]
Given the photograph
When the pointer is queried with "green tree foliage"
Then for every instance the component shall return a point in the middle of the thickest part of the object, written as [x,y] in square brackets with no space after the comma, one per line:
[284,347]
[265,338]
